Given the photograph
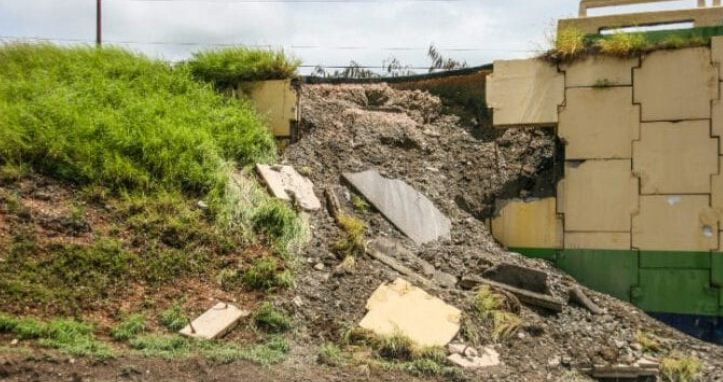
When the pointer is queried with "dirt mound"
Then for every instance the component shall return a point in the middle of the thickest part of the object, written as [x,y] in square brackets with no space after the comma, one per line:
[404,135]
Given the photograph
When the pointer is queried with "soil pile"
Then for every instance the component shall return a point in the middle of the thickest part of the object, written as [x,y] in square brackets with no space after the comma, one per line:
[404,135]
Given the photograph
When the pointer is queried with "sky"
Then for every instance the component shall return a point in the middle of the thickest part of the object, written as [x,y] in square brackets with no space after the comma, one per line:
[319,32]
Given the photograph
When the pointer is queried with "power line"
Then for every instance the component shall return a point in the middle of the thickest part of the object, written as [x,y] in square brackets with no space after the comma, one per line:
[188,43]
[296,1]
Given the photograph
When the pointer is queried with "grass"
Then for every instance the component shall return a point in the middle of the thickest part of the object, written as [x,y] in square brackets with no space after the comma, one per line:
[359,203]
[351,242]
[647,342]
[274,220]
[623,44]
[130,327]
[267,274]
[678,368]
[173,318]
[272,320]
[70,336]
[490,306]
[232,66]
[330,354]
[570,42]
[162,346]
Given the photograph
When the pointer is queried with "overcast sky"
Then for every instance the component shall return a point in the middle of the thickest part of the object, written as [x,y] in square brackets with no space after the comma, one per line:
[320,32]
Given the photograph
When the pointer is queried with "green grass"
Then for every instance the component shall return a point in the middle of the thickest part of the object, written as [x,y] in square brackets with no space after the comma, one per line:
[130,327]
[359,203]
[624,44]
[570,42]
[173,318]
[267,274]
[352,240]
[274,220]
[231,66]
[330,354]
[271,320]
[111,117]
[679,368]
[70,336]
[491,306]
[162,346]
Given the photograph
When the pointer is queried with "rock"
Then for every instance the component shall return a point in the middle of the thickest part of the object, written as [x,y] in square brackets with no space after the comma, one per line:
[469,282]
[215,322]
[408,209]
[298,301]
[401,308]
[287,184]
[519,277]
[488,358]
[319,266]
[444,279]
[14,342]
[202,205]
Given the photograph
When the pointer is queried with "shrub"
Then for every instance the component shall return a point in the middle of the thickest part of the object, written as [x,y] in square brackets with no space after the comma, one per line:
[272,320]
[231,66]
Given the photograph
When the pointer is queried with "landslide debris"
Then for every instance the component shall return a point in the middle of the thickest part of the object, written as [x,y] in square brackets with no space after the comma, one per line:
[404,135]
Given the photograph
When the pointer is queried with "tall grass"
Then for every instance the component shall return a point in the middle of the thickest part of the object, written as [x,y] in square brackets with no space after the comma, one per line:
[111,117]
[230,66]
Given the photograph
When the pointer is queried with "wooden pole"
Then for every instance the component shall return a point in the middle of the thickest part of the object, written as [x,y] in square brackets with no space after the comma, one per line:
[98,24]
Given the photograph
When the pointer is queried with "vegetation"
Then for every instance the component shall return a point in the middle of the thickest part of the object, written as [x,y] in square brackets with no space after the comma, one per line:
[270,319]
[647,342]
[130,327]
[351,243]
[492,306]
[570,42]
[231,66]
[173,318]
[623,44]
[73,337]
[266,274]
[678,368]
[330,354]
[359,203]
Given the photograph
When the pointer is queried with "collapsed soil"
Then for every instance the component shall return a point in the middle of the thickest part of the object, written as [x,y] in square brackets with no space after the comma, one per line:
[404,135]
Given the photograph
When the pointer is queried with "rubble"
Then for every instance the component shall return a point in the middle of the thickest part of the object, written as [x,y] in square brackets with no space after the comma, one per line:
[470,358]
[401,308]
[408,209]
[215,322]
[287,184]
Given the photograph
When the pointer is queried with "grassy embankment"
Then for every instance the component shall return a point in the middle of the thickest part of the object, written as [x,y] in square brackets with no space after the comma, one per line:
[146,153]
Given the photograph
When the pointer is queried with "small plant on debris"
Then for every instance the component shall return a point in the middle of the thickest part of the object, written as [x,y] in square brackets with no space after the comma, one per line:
[352,240]
[494,306]
[679,368]
[359,203]
[570,42]
[330,354]
[623,44]
[647,341]
[130,327]
[272,320]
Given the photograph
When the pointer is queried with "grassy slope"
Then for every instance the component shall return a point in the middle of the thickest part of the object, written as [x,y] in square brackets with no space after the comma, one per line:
[228,67]
[124,147]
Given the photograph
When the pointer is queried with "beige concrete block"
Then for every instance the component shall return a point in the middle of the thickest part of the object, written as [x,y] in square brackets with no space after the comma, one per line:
[675,158]
[525,92]
[599,123]
[275,100]
[528,224]
[600,71]
[675,223]
[600,196]
[716,187]
[673,85]
[717,120]
[215,322]
[401,308]
[597,240]
[716,51]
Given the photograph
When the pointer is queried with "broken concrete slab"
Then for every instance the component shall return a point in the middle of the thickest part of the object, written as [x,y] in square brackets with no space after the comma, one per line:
[519,277]
[488,357]
[287,184]
[401,308]
[215,322]
[408,209]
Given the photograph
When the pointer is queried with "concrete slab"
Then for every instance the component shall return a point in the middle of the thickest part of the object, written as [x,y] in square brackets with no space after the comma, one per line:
[287,184]
[612,187]
[675,158]
[525,92]
[717,119]
[488,357]
[597,240]
[408,209]
[716,190]
[401,308]
[599,123]
[674,85]
[527,223]
[716,51]
[215,322]
[675,223]
[596,71]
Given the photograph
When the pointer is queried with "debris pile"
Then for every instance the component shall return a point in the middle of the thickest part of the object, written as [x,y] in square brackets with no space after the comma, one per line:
[421,185]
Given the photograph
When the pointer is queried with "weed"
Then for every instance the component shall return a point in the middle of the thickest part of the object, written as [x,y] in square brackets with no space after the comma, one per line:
[10,172]
[167,347]
[130,327]
[265,274]
[359,203]
[271,320]
[623,44]
[647,341]
[424,367]
[570,42]
[395,347]
[330,355]
[678,368]
[173,318]
[491,305]
[351,243]
[506,324]
[357,336]
[228,278]
[271,352]
[277,222]
[603,83]
[231,66]
[486,302]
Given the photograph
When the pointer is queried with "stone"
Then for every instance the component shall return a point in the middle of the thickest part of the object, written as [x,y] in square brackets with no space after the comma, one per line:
[408,209]
[215,322]
[519,277]
[285,183]
[319,266]
[401,308]
[488,358]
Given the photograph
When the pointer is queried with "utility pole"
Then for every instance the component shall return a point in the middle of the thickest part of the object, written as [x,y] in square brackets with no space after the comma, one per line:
[98,24]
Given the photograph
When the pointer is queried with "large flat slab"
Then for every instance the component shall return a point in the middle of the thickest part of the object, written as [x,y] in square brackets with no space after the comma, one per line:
[401,308]
[215,322]
[408,209]
[287,184]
